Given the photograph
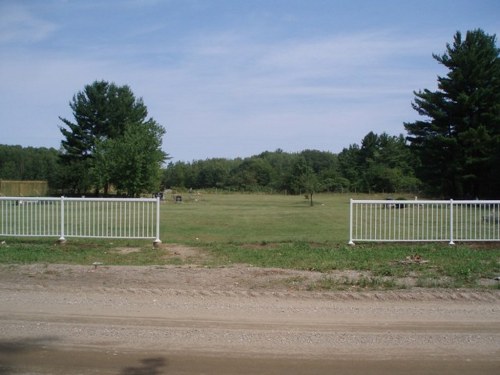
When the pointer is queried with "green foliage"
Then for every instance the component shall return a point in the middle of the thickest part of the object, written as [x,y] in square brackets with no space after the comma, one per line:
[111,142]
[383,163]
[384,166]
[29,163]
[252,173]
[132,161]
[458,144]
[303,179]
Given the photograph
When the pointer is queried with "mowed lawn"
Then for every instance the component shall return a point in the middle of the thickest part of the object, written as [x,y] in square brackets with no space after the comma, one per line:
[255,218]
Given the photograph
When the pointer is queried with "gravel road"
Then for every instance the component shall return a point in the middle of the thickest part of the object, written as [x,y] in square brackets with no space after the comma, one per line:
[60,319]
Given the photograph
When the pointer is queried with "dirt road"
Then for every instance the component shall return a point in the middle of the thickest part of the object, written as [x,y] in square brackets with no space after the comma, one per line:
[188,320]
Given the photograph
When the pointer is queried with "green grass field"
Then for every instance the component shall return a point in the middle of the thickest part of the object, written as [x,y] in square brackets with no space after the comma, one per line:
[255,218]
[276,231]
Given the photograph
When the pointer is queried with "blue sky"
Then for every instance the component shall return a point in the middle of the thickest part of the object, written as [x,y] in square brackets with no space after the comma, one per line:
[230,78]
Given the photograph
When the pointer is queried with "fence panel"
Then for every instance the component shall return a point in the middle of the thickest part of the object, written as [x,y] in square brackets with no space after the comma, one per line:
[80,217]
[476,220]
[29,217]
[420,221]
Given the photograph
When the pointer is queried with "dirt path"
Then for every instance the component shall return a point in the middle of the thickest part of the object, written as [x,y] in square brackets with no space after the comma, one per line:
[62,319]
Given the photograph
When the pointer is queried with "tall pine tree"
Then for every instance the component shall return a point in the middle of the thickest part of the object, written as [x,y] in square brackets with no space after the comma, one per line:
[458,143]
[108,119]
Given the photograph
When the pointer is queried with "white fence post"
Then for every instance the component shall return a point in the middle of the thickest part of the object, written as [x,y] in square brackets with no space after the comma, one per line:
[157,241]
[61,238]
[451,223]
[351,242]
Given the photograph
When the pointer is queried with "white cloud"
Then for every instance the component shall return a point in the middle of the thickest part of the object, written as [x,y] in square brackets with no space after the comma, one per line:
[230,94]
[19,25]
[267,96]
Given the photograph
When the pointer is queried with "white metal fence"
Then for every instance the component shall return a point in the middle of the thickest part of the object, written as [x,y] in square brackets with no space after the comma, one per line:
[419,221]
[80,217]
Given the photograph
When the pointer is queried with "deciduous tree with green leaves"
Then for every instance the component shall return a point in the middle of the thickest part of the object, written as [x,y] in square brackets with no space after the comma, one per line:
[458,142]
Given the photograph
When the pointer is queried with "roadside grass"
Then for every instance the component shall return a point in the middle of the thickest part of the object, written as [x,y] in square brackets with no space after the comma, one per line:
[77,251]
[276,231]
[363,283]
[429,265]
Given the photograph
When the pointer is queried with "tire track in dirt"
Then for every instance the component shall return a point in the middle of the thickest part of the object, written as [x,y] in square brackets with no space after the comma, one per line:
[373,296]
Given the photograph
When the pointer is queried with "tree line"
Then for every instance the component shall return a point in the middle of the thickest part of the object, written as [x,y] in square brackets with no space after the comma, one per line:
[382,163]
[29,163]
[453,151]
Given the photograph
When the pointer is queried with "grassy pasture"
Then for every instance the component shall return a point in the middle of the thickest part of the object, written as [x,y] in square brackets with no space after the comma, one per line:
[276,231]
[256,218]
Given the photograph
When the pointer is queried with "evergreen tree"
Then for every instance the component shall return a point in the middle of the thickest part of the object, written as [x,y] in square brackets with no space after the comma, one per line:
[111,140]
[458,143]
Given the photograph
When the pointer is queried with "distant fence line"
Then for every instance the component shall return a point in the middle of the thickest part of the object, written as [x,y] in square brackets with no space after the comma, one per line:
[423,220]
[80,217]
[15,188]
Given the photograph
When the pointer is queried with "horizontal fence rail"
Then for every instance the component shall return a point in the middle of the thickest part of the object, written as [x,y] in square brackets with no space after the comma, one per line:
[423,220]
[80,217]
